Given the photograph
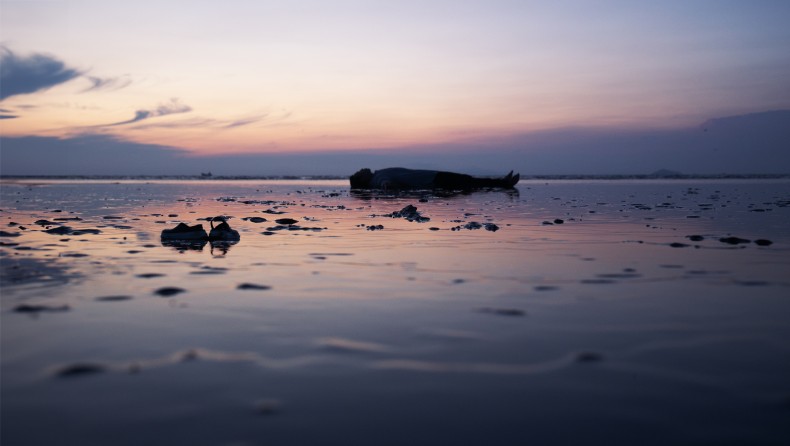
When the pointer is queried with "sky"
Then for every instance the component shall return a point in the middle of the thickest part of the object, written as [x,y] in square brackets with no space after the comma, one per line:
[410,82]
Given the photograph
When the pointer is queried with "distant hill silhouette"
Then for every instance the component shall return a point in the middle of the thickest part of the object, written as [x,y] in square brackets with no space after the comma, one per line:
[757,143]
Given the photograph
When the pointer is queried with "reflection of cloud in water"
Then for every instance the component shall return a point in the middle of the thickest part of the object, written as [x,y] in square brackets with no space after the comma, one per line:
[26,271]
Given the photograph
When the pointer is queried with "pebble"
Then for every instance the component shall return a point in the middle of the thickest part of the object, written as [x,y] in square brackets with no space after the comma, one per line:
[80,369]
[33,308]
[253,286]
[763,242]
[734,240]
[113,298]
[169,291]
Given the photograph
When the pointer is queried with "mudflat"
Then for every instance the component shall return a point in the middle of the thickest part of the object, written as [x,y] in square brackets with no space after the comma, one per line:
[562,312]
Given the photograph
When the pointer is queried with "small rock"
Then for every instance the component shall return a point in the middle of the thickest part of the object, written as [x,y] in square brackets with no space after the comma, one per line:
[33,308]
[253,286]
[80,369]
[734,240]
[763,242]
[169,291]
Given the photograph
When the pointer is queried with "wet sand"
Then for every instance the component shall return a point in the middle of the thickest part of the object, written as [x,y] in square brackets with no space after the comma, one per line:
[566,312]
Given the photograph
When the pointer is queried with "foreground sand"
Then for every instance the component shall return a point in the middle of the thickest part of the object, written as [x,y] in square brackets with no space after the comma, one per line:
[582,312]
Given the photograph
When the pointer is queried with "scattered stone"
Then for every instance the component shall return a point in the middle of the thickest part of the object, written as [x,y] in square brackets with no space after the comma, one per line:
[113,298]
[45,223]
[433,228]
[286,221]
[679,245]
[547,223]
[490,227]
[734,240]
[112,217]
[375,227]
[558,221]
[80,369]
[60,230]
[255,219]
[763,242]
[253,286]
[503,311]
[410,213]
[185,232]
[34,308]
[169,291]
[149,275]
[545,288]
[695,238]
[473,225]
[9,234]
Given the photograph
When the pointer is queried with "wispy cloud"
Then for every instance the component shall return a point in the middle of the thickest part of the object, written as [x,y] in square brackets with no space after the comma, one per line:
[172,107]
[29,74]
[244,121]
[106,83]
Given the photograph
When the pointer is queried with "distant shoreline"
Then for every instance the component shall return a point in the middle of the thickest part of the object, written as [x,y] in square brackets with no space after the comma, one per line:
[13,178]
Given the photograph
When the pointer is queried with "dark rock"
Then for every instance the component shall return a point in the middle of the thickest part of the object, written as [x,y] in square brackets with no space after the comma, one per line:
[558,221]
[149,275]
[679,245]
[734,240]
[113,298]
[60,230]
[33,308]
[763,242]
[9,234]
[253,286]
[503,311]
[80,369]
[256,219]
[695,238]
[169,291]
[490,227]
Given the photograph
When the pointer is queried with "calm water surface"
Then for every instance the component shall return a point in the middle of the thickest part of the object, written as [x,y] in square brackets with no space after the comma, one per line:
[589,316]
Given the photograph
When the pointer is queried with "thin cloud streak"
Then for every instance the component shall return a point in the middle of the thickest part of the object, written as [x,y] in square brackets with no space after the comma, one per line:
[108,83]
[173,107]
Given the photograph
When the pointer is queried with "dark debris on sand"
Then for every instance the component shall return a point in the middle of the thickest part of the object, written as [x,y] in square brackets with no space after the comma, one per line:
[80,369]
[36,308]
[253,286]
[410,213]
[169,291]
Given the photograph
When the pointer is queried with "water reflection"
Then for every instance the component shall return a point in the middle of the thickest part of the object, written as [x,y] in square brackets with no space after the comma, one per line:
[185,245]
[221,247]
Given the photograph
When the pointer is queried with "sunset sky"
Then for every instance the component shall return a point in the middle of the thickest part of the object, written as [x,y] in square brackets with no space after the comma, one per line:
[249,77]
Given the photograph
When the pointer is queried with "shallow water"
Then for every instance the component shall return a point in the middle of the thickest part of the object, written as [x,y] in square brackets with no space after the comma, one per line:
[612,327]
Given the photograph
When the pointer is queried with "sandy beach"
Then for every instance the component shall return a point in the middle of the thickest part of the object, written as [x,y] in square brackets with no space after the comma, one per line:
[650,312]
